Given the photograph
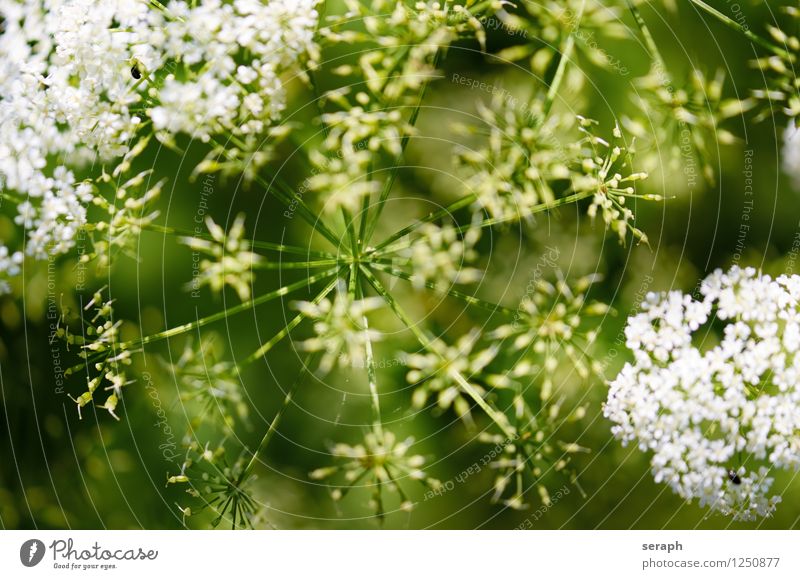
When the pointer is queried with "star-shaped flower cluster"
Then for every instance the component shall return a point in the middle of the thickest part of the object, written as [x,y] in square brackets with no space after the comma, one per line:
[340,329]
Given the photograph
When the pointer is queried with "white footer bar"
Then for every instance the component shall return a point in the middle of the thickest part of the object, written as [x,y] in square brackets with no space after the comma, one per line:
[399,554]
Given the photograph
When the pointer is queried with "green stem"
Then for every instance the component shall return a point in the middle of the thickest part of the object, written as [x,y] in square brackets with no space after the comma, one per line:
[497,417]
[284,193]
[244,306]
[267,346]
[12,198]
[566,53]
[652,47]
[732,24]
[351,231]
[456,205]
[389,183]
[295,264]
[573,198]
[372,375]
[503,219]
[472,300]
[280,247]
[362,227]
[273,426]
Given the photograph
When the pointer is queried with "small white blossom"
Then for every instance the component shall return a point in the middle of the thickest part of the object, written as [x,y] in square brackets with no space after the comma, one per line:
[9,266]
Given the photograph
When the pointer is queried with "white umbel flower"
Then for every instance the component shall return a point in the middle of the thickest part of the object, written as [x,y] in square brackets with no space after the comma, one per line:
[718,419]
[82,80]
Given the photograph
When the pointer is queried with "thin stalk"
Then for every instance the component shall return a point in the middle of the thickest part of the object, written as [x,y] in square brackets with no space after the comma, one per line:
[472,300]
[362,227]
[12,198]
[652,47]
[273,426]
[455,206]
[732,24]
[566,53]
[372,375]
[497,417]
[287,197]
[295,264]
[280,247]
[318,103]
[504,218]
[267,346]
[389,183]
[351,231]
[575,197]
[244,306]
[291,200]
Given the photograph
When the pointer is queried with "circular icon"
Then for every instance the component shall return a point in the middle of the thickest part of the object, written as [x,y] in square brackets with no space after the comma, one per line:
[31,553]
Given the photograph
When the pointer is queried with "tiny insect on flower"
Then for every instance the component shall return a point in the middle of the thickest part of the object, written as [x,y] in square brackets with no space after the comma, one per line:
[734,478]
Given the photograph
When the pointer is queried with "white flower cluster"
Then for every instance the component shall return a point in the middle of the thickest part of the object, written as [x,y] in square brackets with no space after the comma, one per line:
[553,326]
[530,156]
[107,358]
[782,93]
[207,378]
[237,53]
[720,418]
[407,36]
[354,138]
[699,105]
[589,22]
[81,78]
[63,97]
[404,39]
